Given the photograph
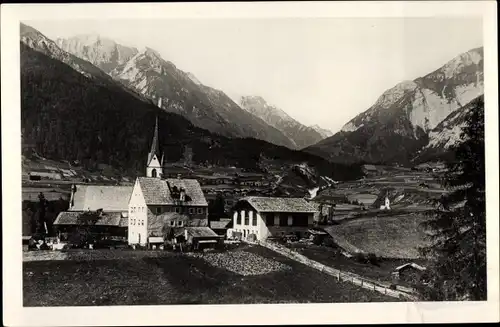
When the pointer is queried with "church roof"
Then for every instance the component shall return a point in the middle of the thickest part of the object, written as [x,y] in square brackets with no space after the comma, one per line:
[108,198]
[159,191]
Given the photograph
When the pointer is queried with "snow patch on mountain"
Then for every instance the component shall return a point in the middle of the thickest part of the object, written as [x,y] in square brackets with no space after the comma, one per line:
[429,109]
[350,127]
[467,93]
[322,131]
[446,137]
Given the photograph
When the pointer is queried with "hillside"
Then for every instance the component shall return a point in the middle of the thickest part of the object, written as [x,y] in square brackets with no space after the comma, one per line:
[446,134]
[68,116]
[301,136]
[403,119]
[159,80]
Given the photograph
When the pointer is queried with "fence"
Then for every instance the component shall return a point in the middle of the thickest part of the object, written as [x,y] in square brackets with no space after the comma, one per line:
[340,275]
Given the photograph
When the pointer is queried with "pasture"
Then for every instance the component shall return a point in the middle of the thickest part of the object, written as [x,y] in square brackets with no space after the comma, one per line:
[172,278]
[389,236]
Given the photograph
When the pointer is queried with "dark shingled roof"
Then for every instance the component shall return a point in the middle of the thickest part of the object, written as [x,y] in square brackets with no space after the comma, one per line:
[106,219]
[201,232]
[269,204]
[220,224]
[157,191]
[108,198]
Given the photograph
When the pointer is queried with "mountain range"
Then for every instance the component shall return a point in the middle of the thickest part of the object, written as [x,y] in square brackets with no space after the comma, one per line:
[411,117]
[146,72]
[74,111]
[412,121]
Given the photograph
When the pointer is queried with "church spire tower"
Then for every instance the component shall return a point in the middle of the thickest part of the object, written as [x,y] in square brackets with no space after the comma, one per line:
[154,166]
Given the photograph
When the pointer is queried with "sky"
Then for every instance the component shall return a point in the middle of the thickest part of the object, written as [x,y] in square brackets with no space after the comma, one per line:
[321,71]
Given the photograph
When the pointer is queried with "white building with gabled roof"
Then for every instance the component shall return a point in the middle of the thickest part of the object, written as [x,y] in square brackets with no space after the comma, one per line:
[266,217]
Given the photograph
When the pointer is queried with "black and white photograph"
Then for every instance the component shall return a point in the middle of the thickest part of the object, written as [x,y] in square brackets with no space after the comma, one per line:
[275,162]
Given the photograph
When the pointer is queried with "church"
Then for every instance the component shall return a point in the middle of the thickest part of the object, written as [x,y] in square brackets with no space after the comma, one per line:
[166,207]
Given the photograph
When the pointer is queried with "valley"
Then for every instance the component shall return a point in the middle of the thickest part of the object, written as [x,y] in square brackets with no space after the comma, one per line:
[132,166]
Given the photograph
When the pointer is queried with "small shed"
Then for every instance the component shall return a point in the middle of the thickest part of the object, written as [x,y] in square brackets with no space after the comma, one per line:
[409,272]
[200,237]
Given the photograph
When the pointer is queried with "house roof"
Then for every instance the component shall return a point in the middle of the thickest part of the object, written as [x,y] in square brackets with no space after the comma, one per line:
[108,198]
[412,265]
[270,204]
[220,224]
[201,232]
[106,219]
[157,191]
[370,167]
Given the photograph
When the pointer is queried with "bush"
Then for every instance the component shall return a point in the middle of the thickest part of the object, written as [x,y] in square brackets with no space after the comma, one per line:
[360,257]
[328,241]
[317,240]
[373,259]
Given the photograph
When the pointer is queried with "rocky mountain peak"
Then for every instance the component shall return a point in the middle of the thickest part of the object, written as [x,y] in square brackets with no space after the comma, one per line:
[405,117]
[298,133]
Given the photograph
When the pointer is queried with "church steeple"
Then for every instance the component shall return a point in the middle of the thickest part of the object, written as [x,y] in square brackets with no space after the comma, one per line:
[154,165]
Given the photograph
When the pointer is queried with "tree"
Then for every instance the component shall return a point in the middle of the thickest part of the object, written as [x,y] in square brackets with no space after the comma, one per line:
[40,214]
[458,225]
[216,209]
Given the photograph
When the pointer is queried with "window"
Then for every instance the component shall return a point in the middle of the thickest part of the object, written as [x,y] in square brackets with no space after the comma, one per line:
[247,220]
[158,210]
[142,222]
[191,210]
[254,219]
[177,209]
[200,210]
[238,218]
[172,223]
[283,219]
[269,219]
[179,223]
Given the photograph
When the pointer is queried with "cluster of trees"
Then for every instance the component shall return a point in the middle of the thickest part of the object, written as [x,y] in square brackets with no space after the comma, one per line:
[40,216]
[458,225]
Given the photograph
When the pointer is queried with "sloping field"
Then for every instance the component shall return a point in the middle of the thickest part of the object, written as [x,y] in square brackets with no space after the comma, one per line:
[180,279]
[389,236]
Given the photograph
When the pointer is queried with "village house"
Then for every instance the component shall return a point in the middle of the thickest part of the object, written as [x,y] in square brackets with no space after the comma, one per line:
[267,217]
[109,203]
